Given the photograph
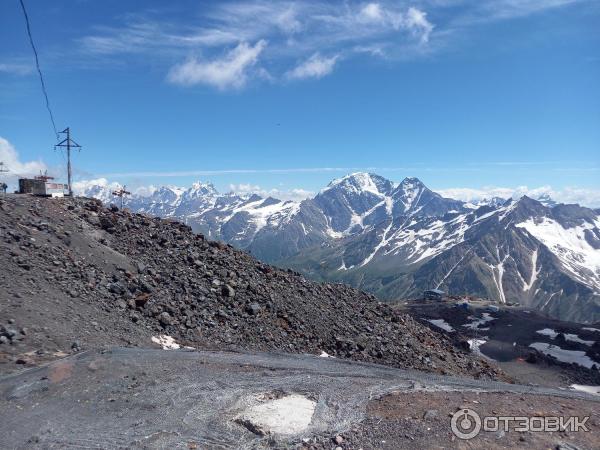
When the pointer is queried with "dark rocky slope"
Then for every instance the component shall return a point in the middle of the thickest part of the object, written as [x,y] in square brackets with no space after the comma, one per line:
[76,272]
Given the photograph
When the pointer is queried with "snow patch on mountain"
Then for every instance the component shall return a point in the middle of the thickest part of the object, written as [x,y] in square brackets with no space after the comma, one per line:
[570,246]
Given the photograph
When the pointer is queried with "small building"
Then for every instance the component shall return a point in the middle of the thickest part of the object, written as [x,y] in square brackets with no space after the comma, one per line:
[48,189]
[433,294]
[42,186]
[26,185]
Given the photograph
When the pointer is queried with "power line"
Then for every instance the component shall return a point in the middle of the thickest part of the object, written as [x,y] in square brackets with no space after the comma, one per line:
[37,64]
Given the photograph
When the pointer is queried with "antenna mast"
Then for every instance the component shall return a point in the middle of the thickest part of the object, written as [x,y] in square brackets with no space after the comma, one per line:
[122,192]
[68,143]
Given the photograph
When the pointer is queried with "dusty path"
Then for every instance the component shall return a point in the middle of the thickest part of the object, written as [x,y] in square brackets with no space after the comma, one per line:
[126,398]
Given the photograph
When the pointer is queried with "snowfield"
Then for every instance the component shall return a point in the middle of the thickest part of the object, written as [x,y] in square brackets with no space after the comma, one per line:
[570,246]
[477,322]
[566,356]
[568,336]
[441,323]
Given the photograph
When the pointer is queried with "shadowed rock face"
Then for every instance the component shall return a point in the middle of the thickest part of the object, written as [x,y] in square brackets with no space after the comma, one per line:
[76,271]
[134,398]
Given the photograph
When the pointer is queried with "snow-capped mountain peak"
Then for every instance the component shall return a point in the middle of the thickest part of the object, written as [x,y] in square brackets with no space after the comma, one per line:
[361,182]
[199,188]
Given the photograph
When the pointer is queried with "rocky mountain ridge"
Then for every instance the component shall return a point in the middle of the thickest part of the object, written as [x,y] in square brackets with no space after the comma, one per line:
[397,239]
[79,275]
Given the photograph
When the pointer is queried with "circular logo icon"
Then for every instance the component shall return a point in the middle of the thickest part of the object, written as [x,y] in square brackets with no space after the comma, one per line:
[465,424]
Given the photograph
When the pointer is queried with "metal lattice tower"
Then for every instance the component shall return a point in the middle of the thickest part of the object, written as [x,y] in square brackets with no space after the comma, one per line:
[68,143]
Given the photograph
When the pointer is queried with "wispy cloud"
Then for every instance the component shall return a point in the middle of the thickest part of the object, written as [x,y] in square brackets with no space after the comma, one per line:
[508,9]
[316,66]
[231,70]
[315,32]
[193,173]
[302,30]
[531,167]
[17,168]
[487,11]
[16,68]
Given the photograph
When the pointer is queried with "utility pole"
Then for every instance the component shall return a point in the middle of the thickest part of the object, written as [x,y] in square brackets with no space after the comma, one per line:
[69,144]
[121,193]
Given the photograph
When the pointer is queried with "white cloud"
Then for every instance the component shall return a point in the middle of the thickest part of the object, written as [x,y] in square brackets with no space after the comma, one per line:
[288,21]
[16,68]
[295,30]
[508,9]
[583,196]
[291,194]
[17,168]
[413,20]
[145,191]
[372,12]
[80,186]
[196,173]
[416,21]
[316,66]
[230,71]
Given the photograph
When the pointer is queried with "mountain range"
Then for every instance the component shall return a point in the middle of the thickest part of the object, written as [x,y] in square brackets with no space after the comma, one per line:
[397,239]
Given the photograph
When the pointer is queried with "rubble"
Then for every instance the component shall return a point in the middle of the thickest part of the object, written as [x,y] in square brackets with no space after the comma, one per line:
[139,276]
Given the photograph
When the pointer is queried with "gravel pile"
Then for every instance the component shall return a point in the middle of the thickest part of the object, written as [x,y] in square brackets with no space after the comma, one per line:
[100,276]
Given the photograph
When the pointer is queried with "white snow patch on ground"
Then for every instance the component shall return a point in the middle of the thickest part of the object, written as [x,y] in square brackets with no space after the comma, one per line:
[441,323]
[591,329]
[475,324]
[534,272]
[499,268]
[548,332]
[586,388]
[568,336]
[325,355]
[288,415]
[166,342]
[567,356]
[575,338]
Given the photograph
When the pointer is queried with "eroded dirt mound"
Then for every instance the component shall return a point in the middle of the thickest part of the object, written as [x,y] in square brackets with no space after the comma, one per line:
[79,275]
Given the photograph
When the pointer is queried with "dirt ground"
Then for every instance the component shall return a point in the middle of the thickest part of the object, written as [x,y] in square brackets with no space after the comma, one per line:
[422,420]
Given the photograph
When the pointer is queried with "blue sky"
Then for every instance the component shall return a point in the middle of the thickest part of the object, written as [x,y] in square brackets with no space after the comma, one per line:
[469,96]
